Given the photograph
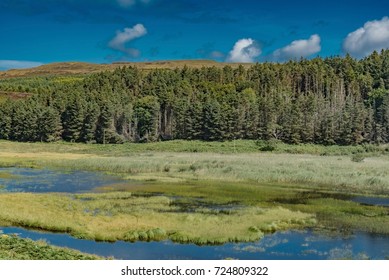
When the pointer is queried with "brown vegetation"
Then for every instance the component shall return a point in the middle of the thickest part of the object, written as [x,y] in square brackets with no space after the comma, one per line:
[71,68]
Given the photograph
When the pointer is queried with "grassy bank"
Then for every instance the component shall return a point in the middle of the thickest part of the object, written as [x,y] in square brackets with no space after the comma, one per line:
[15,248]
[121,216]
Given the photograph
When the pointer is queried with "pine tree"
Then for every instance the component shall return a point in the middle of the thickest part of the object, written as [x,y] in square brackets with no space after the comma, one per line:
[88,129]
[49,126]
[5,121]
[72,120]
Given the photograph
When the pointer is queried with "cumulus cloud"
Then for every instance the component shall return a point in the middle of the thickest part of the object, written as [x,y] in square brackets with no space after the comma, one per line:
[244,50]
[129,3]
[18,64]
[374,35]
[298,48]
[123,37]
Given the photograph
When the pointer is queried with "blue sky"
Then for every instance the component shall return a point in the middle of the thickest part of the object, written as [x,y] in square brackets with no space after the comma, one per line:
[102,31]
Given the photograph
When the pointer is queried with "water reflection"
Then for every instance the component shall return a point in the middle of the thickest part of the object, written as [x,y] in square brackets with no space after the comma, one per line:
[44,180]
[289,245]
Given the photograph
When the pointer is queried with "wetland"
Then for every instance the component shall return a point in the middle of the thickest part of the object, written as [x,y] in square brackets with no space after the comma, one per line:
[131,204]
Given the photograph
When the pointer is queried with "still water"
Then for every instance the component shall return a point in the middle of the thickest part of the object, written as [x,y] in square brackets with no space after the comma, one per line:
[44,180]
[289,245]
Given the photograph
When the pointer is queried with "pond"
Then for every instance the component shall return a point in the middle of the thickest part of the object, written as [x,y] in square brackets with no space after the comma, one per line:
[44,180]
[289,245]
[15,179]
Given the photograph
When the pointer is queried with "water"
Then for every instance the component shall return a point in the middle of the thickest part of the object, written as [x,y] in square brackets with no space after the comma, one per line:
[289,245]
[44,180]
[367,200]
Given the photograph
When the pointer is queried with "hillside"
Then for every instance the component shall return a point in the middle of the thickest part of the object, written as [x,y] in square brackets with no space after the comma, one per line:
[73,68]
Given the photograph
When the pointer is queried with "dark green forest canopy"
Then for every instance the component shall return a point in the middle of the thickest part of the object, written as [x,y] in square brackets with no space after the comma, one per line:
[327,101]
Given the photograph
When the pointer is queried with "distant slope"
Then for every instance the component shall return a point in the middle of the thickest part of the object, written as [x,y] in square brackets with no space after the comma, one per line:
[69,68]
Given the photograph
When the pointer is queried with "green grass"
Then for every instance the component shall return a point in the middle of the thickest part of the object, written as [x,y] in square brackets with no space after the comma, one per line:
[171,163]
[346,215]
[15,248]
[122,216]
[195,146]
[331,209]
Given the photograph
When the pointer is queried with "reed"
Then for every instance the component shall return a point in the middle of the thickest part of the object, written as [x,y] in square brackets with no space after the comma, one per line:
[120,216]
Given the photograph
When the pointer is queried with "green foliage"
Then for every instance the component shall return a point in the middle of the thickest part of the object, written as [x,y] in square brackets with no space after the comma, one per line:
[332,101]
[15,248]
[267,146]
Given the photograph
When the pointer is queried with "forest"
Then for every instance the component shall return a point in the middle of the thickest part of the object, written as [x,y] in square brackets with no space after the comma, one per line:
[335,100]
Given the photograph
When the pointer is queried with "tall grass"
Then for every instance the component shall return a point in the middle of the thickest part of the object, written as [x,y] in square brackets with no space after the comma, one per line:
[135,161]
[120,216]
[195,146]
[335,173]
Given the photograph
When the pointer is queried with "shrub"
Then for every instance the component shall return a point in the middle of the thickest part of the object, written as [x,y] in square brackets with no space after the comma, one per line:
[166,168]
[267,146]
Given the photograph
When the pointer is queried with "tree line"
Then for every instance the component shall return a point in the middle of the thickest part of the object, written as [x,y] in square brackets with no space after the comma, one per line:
[336,100]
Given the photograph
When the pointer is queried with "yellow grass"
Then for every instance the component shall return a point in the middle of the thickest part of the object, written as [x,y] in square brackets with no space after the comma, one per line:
[44,155]
[71,68]
[115,216]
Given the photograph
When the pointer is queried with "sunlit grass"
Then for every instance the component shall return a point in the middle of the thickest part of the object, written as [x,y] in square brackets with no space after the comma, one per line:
[139,162]
[121,216]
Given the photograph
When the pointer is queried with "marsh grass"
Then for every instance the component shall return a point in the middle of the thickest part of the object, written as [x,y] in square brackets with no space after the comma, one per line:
[347,215]
[15,248]
[170,162]
[276,189]
[331,209]
[120,216]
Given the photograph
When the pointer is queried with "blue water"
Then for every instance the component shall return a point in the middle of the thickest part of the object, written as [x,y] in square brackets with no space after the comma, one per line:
[289,245]
[378,201]
[44,180]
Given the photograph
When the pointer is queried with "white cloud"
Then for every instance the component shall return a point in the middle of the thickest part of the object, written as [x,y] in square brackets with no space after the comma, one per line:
[298,48]
[374,35]
[123,37]
[129,3]
[244,50]
[17,64]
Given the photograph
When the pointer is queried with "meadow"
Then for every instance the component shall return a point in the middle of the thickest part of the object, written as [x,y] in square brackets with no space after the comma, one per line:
[201,192]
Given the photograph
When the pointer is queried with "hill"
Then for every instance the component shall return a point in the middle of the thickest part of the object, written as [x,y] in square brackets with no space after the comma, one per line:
[73,68]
